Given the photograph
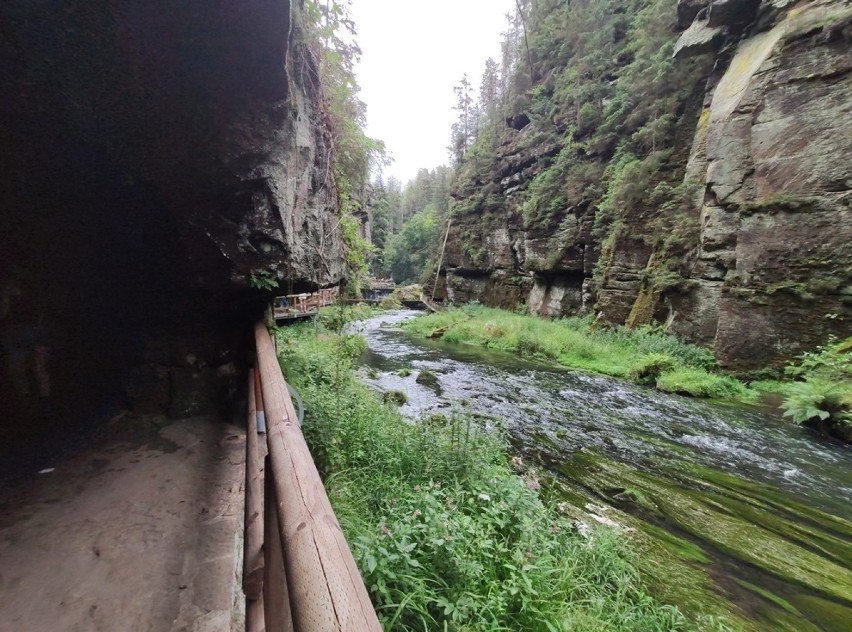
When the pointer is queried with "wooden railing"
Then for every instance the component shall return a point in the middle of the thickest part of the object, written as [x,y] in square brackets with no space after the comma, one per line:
[309,581]
[305,304]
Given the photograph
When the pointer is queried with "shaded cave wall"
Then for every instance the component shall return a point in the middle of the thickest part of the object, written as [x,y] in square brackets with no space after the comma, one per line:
[154,156]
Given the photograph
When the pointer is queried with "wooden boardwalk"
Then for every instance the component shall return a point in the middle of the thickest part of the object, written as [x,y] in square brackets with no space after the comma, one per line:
[304,305]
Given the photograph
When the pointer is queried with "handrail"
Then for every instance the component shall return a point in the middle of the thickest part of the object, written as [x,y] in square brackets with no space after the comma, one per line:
[325,589]
[253,550]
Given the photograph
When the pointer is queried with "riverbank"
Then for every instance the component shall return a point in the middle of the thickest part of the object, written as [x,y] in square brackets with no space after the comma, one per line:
[643,355]
[448,532]
[818,392]
[736,515]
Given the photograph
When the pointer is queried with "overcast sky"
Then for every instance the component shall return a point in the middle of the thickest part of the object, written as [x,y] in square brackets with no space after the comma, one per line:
[414,52]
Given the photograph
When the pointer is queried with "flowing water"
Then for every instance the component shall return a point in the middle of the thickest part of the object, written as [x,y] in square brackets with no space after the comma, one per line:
[736,512]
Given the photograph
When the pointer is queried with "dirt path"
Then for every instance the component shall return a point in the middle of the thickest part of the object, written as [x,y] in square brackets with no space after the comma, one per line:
[141,531]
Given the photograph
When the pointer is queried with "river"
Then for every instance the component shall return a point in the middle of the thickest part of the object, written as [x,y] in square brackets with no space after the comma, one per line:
[736,512]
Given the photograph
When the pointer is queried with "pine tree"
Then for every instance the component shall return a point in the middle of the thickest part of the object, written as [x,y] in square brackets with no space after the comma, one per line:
[463,130]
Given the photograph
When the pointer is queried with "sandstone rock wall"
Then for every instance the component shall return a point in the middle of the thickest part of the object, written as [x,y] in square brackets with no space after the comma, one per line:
[773,272]
[764,150]
[154,158]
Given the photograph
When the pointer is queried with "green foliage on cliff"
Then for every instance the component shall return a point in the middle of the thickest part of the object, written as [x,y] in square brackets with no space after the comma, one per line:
[447,534]
[609,126]
[645,355]
[332,53]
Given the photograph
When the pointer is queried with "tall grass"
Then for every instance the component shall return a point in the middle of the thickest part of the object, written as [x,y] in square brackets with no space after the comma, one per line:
[573,342]
[448,534]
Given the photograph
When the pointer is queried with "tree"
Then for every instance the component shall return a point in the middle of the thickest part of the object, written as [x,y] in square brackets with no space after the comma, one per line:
[489,94]
[379,223]
[406,222]
[464,129]
[408,252]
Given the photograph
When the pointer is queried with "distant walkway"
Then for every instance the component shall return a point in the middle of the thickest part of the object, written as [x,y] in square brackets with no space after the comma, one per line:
[298,306]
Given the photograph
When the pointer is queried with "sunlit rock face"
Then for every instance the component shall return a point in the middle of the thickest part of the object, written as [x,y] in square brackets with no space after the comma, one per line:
[154,156]
[764,144]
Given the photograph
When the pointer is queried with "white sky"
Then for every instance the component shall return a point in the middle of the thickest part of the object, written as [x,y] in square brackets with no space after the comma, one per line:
[414,52]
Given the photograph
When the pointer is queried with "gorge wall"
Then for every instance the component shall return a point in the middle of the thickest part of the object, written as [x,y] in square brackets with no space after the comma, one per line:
[160,163]
[689,167]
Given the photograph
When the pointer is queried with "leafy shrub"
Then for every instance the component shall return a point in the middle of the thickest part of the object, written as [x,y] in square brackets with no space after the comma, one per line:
[825,392]
[397,398]
[817,398]
[352,346]
[264,279]
[336,317]
[390,302]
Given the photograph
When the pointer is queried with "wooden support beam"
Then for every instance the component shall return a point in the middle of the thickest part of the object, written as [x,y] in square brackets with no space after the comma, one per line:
[253,544]
[254,615]
[326,589]
[277,613]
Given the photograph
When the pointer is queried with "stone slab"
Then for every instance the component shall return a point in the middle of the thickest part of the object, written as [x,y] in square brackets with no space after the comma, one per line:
[140,532]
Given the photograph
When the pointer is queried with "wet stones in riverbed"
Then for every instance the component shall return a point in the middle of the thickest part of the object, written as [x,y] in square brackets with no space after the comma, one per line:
[396,398]
[429,380]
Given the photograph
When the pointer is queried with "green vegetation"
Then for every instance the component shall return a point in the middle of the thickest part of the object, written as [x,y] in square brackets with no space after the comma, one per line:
[335,317]
[391,302]
[406,223]
[331,53]
[646,355]
[824,394]
[263,279]
[395,398]
[447,535]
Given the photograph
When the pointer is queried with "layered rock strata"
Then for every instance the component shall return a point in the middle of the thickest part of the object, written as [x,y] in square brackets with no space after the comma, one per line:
[764,150]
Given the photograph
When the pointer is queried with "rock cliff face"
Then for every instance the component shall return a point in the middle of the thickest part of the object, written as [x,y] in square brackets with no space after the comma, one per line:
[155,157]
[773,271]
[750,249]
